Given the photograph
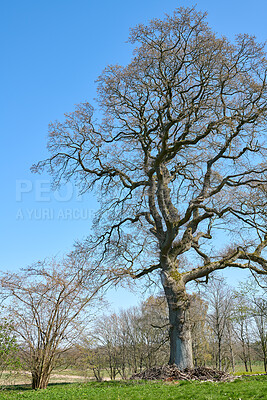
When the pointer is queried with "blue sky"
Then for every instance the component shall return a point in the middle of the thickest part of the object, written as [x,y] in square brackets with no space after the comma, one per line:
[52,52]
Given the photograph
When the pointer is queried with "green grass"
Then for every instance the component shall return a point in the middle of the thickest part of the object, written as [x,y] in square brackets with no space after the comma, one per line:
[256,369]
[250,388]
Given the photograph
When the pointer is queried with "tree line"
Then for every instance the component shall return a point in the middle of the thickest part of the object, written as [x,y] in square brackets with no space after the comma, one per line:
[228,327]
[54,321]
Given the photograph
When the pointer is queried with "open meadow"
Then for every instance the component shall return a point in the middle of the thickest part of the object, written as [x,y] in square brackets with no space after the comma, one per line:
[247,388]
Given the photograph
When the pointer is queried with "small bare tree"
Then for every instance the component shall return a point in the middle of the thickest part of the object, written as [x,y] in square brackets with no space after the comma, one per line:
[252,311]
[46,301]
[242,324]
[199,330]
[179,155]
[259,313]
[219,316]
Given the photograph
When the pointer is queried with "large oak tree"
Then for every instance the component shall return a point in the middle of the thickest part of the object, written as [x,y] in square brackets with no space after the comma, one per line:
[178,158]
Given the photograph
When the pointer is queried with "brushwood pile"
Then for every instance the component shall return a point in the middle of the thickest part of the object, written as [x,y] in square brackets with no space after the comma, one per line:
[172,372]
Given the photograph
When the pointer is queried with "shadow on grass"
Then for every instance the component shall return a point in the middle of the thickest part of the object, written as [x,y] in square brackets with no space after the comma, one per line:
[124,383]
[27,386]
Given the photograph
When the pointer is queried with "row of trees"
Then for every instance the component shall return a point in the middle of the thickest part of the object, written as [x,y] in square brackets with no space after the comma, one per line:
[238,322]
[51,317]
[227,327]
[129,341]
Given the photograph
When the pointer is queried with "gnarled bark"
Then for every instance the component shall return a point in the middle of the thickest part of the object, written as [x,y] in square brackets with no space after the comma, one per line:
[180,333]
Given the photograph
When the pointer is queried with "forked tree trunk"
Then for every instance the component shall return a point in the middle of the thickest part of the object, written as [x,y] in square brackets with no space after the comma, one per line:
[39,381]
[40,377]
[180,332]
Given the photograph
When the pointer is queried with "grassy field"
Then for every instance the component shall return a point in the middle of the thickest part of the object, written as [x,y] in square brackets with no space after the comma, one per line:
[72,375]
[249,388]
[256,369]
[24,377]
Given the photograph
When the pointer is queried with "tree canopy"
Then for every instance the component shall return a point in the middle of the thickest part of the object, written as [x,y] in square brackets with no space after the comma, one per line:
[179,155]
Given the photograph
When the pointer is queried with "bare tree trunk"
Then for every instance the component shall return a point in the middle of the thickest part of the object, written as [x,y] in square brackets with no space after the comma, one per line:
[97,374]
[232,355]
[219,354]
[40,380]
[249,357]
[35,381]
[180,333]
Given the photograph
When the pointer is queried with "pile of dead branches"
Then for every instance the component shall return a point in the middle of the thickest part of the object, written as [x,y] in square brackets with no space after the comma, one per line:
[172,372]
